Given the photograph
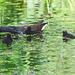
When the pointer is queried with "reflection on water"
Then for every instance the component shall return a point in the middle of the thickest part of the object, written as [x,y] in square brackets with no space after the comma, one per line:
[35,37]
[18,62]
[28,38]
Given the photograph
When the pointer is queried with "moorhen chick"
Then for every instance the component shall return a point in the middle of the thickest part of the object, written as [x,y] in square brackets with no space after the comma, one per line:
[8,40]
[67,35]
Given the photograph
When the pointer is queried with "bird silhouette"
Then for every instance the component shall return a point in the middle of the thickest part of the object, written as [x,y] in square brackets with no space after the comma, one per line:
[8,40]
[67,35]
[28,31]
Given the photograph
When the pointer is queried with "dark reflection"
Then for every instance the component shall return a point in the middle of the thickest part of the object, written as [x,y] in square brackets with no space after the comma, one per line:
[16,37]
[65,40]
[36,37]
[28,38]
[8,40]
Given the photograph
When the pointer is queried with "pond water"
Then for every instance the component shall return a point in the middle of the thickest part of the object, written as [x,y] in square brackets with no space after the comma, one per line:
[44,54]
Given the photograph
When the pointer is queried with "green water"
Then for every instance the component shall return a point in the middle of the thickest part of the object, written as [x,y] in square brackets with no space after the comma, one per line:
[40,56]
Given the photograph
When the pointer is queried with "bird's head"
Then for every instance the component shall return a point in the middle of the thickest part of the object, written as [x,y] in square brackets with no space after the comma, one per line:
[64,31]
[27,29]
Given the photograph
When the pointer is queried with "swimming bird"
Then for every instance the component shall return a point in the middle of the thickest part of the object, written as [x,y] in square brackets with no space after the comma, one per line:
[8,40]
[28,31]
[39,26]
[67,35]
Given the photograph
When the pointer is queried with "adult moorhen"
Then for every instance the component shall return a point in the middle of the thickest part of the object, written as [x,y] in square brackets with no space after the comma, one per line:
[39,26]
[8,40]
[36,28]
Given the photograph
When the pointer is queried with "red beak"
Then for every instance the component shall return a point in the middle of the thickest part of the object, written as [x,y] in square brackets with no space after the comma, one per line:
[26,27]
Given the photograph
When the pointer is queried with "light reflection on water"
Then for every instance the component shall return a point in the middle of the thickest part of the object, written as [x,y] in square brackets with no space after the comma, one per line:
[21,11]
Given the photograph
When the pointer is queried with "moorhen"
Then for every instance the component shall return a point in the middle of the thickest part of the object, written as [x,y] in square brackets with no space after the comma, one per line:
[39,26]
[21,29]
[8,40]
[67,35]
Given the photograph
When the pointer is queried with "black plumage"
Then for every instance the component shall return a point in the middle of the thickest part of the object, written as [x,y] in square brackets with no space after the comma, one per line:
[28,31]
[67,35]
[8,40]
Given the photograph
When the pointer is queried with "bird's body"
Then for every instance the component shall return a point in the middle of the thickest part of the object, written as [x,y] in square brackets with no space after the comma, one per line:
[28,31]
[39,26]
[7,40]
[67,35]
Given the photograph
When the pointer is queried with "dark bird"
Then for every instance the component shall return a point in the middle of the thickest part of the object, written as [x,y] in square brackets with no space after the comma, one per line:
[28,31]
[39,26]
[21,29]
[67,35]
[8,40]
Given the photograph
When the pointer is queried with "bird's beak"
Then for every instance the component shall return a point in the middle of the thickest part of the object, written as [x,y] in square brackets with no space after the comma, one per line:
[25,30]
